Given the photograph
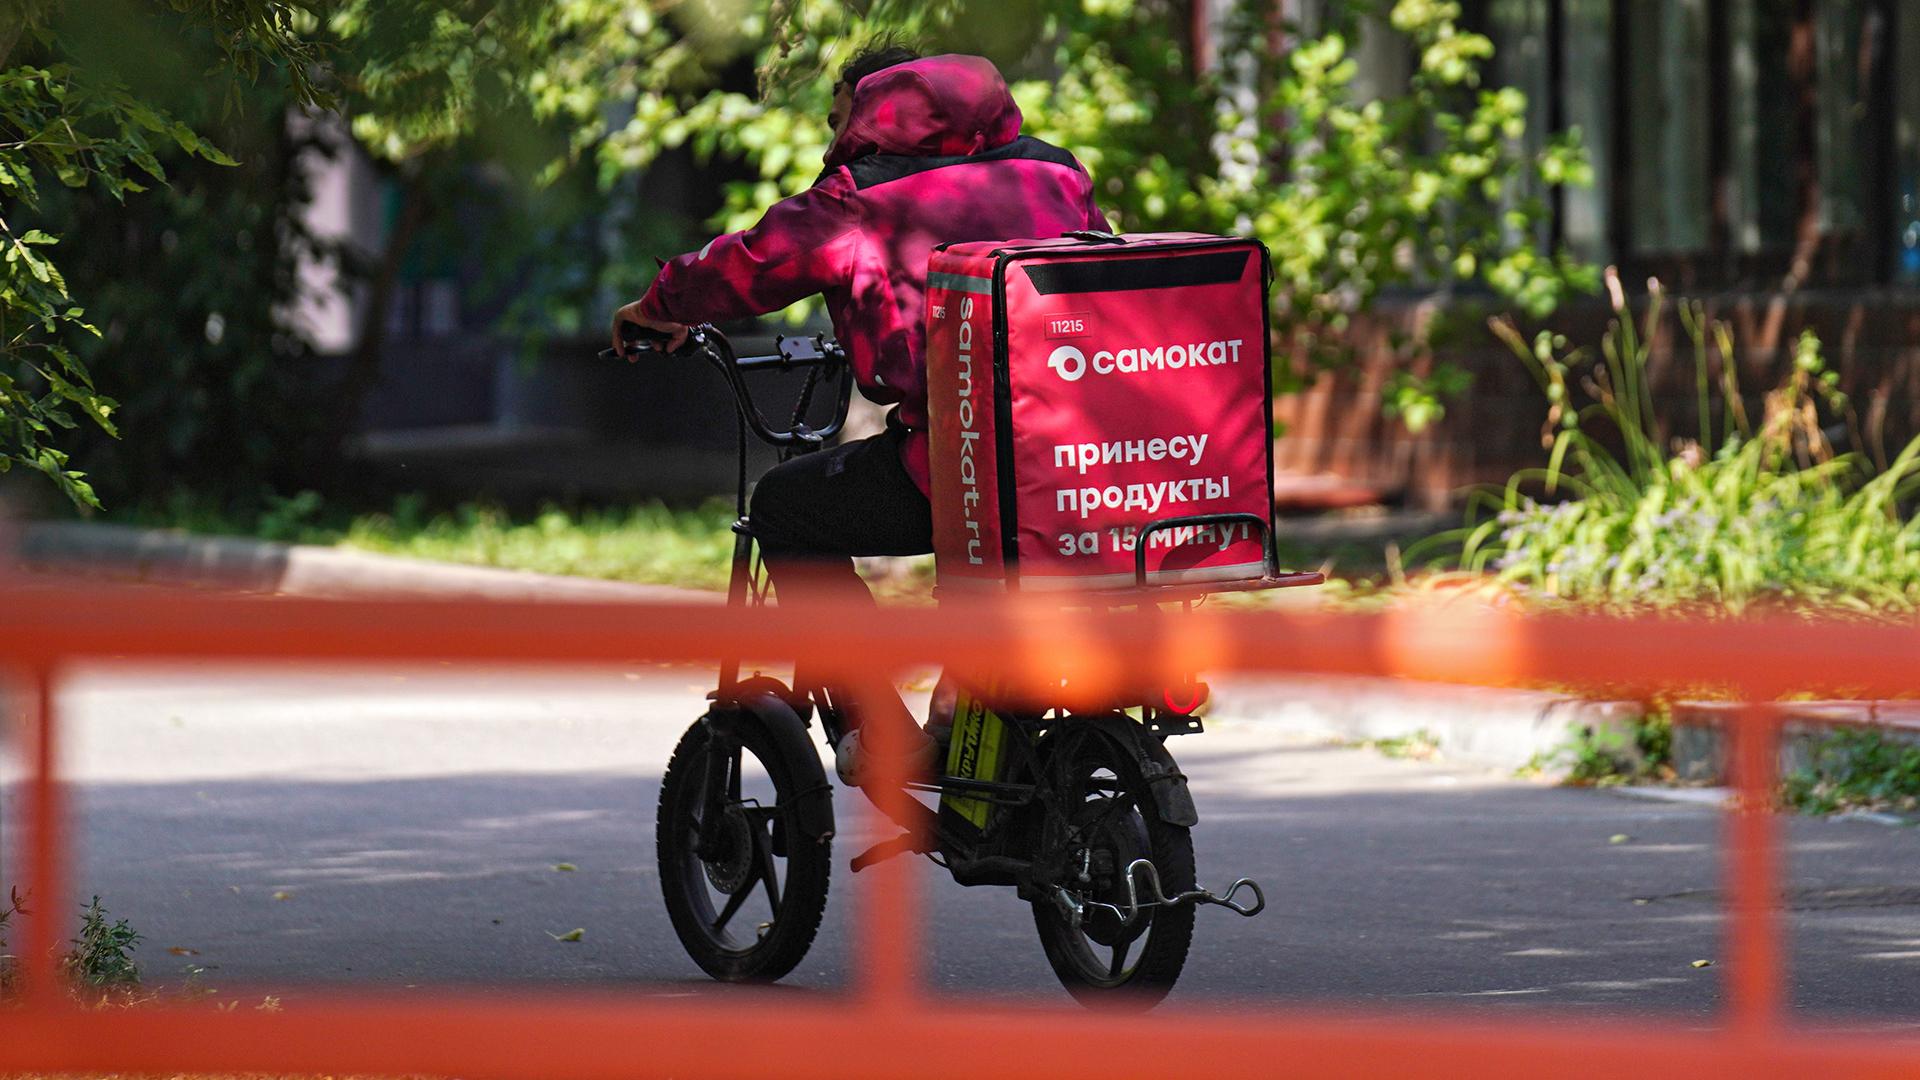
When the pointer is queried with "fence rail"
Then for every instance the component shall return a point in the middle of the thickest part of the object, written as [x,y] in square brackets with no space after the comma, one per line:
[888,1024]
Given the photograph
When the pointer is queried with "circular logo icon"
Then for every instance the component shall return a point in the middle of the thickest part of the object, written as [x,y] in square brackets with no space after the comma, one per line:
[1068,362]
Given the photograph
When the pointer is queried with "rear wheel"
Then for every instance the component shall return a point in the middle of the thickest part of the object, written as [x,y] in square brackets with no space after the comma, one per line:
[1109,822]
[746,898]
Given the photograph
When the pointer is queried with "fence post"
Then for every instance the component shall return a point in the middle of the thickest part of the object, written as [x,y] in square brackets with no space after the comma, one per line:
[1753,872]
[45,890]
[888,944]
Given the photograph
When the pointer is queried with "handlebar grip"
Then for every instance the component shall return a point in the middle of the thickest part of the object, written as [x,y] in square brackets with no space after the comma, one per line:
[636,339]
[642,335]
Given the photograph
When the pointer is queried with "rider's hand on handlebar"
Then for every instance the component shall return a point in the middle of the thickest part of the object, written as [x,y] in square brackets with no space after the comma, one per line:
[630,314]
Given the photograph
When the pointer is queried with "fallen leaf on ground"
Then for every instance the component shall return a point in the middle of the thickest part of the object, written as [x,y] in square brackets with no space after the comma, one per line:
[574,934]
[182,950]
[1702,963]
[283,895]
[565,867]
[1618,838]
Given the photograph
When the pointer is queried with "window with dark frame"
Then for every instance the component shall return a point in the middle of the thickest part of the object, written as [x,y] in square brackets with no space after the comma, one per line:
[1736,143]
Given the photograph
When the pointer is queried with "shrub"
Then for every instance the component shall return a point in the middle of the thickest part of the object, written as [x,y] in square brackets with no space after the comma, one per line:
[1602,756]
[1736,516]
[13,907]
[101,958]
[1856,769]
[102,954]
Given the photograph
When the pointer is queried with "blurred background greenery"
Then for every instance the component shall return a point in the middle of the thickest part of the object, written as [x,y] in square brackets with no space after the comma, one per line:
[508,141]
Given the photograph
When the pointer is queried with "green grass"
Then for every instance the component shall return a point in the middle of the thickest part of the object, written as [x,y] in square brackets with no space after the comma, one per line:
[650,543]
[1418,745]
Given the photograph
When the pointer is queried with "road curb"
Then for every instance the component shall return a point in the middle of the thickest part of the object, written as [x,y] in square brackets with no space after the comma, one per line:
[171,557]
[1722,798]
[1701,745]
[1512,729]
[1499,728]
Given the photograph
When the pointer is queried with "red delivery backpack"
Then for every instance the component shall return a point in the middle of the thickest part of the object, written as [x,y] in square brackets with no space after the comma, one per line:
[1100,412]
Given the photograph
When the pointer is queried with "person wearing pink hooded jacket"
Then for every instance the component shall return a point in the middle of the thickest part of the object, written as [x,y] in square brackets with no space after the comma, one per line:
[925,151]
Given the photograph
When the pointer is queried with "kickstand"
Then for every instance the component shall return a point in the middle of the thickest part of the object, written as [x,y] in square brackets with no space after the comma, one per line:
[887,849]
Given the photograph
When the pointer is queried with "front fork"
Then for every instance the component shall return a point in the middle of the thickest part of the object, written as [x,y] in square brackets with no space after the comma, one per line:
[722,753]
[739,588]
[723,766]
[741,594]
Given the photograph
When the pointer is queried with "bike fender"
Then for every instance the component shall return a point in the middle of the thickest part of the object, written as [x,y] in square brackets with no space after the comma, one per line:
[1171,798]
[789,735]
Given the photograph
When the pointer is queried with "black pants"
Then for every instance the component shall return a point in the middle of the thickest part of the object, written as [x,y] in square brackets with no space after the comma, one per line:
[813,514]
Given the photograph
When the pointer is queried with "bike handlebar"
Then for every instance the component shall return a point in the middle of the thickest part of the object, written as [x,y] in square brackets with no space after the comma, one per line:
[637,340]
[792,353]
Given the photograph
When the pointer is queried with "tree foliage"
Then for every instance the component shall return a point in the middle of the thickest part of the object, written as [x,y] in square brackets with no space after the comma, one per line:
[1429,184]
[82,92]
[1354,190]
[194,288]
[540,115]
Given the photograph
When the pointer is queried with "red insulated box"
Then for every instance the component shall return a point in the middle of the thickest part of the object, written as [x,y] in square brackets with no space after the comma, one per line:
[1088,390]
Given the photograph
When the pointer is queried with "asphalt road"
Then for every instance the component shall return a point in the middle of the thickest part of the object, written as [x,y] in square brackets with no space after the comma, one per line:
[402,829]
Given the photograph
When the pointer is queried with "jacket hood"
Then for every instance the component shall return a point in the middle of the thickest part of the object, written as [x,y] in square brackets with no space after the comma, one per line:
[941,106]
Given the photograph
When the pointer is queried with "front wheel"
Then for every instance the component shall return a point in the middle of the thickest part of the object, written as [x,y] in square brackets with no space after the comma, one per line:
[745,886]
[1108,821]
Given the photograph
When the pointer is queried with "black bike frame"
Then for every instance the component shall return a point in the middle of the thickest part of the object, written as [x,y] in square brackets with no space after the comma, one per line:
[813,354]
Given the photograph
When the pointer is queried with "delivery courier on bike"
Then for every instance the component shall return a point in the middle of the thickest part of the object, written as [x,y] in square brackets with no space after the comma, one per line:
[925,151]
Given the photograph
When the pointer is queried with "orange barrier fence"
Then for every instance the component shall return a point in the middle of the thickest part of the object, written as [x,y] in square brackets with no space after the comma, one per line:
[890,1025]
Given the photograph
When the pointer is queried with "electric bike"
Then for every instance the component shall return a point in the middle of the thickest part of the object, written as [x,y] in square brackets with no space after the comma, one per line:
[1085,813]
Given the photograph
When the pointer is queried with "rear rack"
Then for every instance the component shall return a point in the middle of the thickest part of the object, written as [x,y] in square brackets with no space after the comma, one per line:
[1283,579]
[1141,590]
[1273,578]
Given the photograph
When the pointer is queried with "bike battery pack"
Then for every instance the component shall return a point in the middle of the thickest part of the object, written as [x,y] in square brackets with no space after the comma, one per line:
[976,752]
[1084,388]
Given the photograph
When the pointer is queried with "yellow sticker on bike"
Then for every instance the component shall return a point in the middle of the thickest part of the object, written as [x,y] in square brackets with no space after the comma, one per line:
[973,755]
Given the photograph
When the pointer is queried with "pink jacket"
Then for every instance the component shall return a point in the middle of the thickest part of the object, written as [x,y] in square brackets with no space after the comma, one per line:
[931,153]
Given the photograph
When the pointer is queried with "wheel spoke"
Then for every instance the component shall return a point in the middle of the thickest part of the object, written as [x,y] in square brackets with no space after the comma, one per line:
[769,873]
[1119,963]
[733,906]
[1114,808]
